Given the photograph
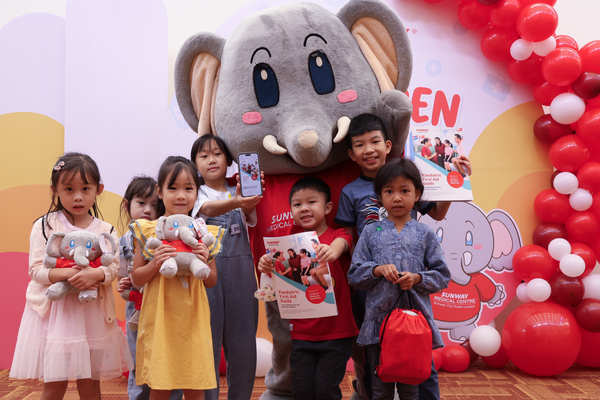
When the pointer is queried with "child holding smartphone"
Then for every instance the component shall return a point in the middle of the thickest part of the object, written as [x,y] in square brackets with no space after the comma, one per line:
[233,308]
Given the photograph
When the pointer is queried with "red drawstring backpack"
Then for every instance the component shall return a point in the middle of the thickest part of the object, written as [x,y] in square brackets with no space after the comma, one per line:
[405,346]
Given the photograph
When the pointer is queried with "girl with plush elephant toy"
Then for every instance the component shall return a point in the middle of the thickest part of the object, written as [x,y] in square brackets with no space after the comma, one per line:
[69,339]
[174,346]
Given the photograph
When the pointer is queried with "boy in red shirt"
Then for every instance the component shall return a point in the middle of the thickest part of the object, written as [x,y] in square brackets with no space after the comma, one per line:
[320,346]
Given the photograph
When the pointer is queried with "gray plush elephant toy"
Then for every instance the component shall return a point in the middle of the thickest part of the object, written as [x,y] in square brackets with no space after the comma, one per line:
[286,83]
[182,232]
[82,249]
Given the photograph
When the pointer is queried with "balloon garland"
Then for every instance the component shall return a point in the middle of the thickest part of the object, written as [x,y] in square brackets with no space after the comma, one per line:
[544,336]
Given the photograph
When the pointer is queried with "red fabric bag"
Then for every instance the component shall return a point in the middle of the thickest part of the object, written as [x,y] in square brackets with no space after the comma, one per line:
[405,347]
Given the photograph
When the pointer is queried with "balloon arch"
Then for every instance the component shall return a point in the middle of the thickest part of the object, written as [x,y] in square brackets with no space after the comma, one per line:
[559,324]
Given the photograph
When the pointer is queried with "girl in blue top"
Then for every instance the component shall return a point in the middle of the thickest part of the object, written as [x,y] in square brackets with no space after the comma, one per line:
[397,251]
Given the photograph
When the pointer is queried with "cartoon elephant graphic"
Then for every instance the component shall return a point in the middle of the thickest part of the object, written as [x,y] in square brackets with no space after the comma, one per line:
[182,232]
[82,249]
[472,242]
[286,83]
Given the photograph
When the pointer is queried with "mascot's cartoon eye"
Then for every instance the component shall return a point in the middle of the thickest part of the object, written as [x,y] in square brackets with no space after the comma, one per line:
[191,225]
[266,87]
[440,234]
[72,243]
[175,224]
[469,239]
[88,245]
[321,73]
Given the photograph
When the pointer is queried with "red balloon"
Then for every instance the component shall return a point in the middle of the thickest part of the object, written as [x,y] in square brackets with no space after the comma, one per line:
[588,255]
[547,130]
[537,22]
[432,1]
[526,71]
[566,291]
[541,339]
[587,85]
[589,355]
[473,15]
[455,358]
[589,176]
[587,314]
[488,2]
[590,56]
[595,208]
[544,92]
[569,153]
[551,206]
[472,355]
[498,360]
[437,358]
[496,42]
[505,13]
[533,261]
[566,41]
[582,226]
[562,66]
[588,127]
[546,232]
[595,245]
[528,2]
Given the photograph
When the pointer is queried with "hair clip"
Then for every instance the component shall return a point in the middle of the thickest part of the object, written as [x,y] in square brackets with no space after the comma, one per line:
[58,165]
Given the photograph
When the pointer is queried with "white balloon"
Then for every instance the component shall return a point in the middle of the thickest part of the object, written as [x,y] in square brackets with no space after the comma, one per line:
[566,183]
[567,108]
[485,340]
[572,265]
[581,200]
[591,286]
[522,293]
[538,290]
[558,248]
[544,47]
[521,49]
[492,323]
[263,356]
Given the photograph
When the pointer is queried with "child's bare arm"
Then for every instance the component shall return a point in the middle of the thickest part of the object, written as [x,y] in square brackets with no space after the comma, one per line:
[212,277]
[87,278]
[330,253]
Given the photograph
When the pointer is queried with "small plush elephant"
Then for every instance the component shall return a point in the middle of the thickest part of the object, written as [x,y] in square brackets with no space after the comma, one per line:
[82,249]
[136,297]
[182,232]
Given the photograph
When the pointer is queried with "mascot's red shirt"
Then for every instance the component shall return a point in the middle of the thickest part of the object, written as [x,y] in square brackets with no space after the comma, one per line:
[459,303]
[274,211]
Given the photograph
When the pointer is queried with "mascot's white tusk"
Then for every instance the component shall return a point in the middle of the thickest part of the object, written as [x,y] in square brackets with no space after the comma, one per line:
[72,252]
[270,144]
[176,232]
[342,124]
[87,253]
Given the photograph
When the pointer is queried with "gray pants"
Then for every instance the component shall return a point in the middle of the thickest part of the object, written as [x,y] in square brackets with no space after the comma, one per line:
[384,390]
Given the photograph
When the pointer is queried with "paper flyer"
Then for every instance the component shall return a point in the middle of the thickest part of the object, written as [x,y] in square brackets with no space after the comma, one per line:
[302,287]
[433,150]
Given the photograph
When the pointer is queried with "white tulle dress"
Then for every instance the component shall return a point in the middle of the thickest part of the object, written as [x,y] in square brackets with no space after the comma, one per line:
[67,339]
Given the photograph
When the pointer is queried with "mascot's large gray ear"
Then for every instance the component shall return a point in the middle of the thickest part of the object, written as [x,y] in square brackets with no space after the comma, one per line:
[382,39]
[199,61]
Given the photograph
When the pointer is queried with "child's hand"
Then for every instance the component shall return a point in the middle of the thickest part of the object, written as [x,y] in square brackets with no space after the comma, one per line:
[325,254]
[265,265]
[463,164]
[124,284]
[408,280]
[201,251]
[163,253]
[87,278]
[388,271]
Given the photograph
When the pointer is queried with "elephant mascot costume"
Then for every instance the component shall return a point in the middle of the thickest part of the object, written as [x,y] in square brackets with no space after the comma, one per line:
[286,84]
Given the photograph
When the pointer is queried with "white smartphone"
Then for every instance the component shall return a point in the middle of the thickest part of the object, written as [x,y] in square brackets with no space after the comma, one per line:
[249,173]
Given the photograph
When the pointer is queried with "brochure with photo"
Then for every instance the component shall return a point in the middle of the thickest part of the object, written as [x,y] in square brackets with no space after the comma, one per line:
[441,178]
[303,288]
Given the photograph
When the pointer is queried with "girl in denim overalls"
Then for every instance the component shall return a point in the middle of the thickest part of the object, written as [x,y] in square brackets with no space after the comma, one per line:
[234,310]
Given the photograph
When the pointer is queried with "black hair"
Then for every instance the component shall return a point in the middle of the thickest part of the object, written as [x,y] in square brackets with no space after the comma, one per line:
[437,138]
[277,254]
[458,136]
[171,168]
[312,183]
[140,186]
[401,167]
[364,123]
[304,251]
[449,142]
[424,140]
[293,251]
[204,140]
[66,167]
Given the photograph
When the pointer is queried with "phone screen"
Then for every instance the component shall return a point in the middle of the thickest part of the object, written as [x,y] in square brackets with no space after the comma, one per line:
[249,172]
